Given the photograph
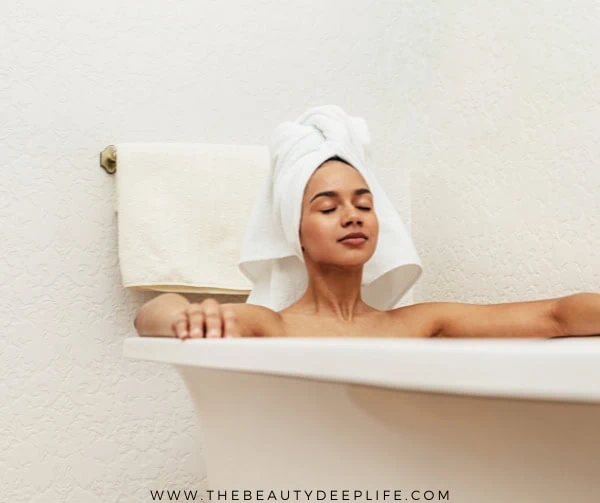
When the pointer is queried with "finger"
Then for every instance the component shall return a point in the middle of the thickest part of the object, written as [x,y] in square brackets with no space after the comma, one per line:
[197,324]
[180,327]
[213,320]
[212,317]
[230,322]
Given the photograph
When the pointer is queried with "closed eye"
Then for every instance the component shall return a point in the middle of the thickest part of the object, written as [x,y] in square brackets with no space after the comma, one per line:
[363,208]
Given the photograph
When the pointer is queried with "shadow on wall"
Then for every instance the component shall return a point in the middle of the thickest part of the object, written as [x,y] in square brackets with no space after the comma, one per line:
[220,298]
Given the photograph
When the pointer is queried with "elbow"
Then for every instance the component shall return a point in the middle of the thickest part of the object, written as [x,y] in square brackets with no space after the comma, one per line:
[154,318]
[140,320]
[137,323]
[145,322]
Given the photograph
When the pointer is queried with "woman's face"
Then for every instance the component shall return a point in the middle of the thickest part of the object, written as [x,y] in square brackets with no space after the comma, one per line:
[337,202]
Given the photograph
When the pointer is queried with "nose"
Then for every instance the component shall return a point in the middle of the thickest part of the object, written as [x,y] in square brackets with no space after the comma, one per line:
[352,216]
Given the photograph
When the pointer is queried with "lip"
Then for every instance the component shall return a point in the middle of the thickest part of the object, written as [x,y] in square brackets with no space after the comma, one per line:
[353,241]
[354,235]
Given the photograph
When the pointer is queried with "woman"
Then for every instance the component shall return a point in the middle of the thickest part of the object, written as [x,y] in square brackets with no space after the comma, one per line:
[338,232]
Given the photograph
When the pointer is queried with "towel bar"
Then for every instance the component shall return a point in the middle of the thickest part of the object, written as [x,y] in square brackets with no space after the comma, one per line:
[108,159]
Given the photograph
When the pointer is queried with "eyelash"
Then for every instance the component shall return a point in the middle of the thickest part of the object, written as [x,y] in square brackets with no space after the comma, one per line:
[359,207]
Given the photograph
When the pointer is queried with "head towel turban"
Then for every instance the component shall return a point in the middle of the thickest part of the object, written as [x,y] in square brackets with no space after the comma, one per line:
[271,256]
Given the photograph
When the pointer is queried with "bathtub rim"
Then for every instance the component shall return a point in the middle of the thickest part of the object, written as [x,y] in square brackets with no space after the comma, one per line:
[566,370]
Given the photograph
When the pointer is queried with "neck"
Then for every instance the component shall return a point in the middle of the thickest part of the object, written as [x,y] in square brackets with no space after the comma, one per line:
[333,292]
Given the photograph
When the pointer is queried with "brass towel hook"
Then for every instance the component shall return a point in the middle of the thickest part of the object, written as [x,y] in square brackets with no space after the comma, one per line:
[108,159]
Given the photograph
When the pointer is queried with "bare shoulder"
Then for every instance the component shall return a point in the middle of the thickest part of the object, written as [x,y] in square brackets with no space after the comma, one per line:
[421,320]
[256,321]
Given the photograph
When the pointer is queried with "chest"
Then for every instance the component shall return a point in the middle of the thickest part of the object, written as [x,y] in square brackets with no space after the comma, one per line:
[306,326]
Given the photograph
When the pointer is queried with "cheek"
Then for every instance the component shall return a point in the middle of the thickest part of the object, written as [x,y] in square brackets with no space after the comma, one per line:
[374,221]
[375,227]
[315,230]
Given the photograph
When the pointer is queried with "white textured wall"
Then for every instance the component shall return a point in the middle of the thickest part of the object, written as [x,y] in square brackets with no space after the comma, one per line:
[78,422]
[493,106]
[506,177]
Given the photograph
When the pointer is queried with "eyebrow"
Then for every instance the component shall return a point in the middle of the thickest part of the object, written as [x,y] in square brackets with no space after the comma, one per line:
[333,193]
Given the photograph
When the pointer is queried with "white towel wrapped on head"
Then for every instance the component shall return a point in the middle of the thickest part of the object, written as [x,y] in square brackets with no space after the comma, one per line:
[182,210]
[271,254]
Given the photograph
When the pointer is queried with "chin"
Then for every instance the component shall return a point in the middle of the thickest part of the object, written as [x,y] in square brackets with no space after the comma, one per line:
[357,258]
[355,263]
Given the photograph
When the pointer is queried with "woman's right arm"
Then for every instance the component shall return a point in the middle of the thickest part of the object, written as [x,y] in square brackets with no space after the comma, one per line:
[172,315]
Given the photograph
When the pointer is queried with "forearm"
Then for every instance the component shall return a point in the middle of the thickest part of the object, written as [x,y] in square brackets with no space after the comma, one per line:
[579,314]
[155,317]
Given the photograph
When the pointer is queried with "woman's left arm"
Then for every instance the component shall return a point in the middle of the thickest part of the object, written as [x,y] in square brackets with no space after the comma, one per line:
[573,315]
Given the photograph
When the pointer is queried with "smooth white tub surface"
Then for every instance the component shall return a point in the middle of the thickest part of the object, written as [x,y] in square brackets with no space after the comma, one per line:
[482,421]
[549,369]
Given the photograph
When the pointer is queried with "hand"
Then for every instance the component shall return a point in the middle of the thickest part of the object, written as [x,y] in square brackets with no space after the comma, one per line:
[207,319]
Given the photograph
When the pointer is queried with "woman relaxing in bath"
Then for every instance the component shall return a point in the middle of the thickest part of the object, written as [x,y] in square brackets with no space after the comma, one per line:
[338,234]
[311,251]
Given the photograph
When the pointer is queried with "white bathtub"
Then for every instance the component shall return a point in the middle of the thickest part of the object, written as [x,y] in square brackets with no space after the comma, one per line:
[478,421]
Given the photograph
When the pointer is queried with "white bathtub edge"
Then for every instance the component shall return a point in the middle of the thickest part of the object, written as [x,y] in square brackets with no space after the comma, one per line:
[557,370]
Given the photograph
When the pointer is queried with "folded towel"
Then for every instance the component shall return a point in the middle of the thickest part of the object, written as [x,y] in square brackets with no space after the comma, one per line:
[271,254]
[182,210]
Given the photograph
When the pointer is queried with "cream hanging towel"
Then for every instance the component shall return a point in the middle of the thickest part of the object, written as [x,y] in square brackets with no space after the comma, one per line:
[182,212]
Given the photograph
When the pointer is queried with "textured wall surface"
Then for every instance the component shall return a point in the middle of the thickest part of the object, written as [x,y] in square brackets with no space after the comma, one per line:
[493,108]
[79,423]
[505,181]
